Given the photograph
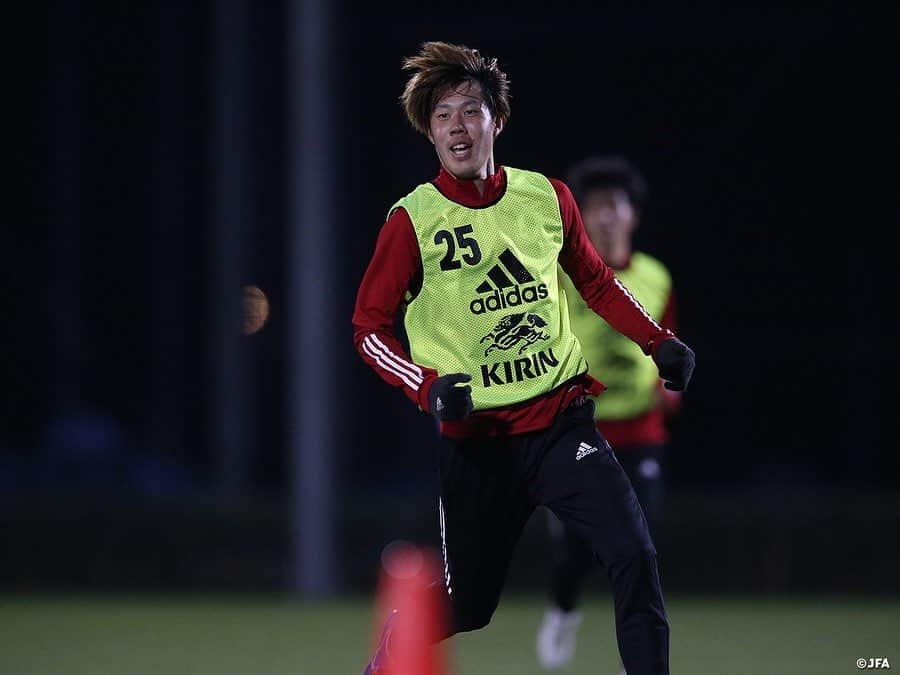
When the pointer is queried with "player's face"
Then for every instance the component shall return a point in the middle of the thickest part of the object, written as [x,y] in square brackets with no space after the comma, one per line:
[609,217]
[463,130]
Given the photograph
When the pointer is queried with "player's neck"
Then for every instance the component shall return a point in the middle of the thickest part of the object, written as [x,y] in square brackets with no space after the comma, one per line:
[617,255]
[488,171]
[479,181]
[465,191]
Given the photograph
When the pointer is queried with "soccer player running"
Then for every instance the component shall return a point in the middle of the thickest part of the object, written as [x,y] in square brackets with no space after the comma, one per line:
[632,413]
[471,259]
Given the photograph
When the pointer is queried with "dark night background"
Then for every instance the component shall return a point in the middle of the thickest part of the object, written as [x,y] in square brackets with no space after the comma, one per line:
[769,144]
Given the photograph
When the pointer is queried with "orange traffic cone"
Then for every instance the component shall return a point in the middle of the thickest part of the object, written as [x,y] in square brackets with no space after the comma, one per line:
[411,613]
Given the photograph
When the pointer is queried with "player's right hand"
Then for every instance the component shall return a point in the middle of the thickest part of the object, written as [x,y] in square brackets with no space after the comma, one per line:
[446,401]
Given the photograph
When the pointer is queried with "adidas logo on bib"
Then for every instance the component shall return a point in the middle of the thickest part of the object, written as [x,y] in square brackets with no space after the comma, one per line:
[505,292]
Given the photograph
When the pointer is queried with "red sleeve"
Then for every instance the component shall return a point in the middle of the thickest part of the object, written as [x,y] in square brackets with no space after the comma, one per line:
[670,314]
[596,282]
[392,271]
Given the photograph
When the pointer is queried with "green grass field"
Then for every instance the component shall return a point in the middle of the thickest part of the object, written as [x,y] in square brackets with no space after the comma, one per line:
[224,635]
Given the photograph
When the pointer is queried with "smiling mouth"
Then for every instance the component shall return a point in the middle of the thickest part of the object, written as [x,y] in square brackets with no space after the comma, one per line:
[460,148]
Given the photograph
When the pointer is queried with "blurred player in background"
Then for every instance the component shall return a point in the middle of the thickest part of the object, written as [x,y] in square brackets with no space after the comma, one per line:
[632,412]
[473,258]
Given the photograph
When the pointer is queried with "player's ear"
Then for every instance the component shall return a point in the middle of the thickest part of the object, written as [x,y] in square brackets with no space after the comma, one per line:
[498,127]
[430,137]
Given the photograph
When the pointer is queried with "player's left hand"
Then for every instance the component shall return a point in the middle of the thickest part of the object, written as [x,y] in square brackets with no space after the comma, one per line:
[675,361]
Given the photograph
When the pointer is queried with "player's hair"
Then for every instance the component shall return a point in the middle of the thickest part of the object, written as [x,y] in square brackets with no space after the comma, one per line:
[439,66]
[608,171]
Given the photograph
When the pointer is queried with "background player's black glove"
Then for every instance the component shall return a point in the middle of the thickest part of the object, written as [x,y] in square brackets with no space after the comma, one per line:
[675,361]
[448,402]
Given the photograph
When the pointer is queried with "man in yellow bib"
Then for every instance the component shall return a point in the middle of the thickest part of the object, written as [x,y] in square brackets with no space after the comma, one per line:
[631,414]
[471,259]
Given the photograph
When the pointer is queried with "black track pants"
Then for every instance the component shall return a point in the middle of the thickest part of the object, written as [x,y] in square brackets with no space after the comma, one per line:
[489,489]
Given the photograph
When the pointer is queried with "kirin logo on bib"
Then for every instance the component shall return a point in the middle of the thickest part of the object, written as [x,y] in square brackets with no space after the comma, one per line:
[512,330]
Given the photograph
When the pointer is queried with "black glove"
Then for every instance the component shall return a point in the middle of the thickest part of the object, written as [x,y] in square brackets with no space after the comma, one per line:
[448,402]
[675,361]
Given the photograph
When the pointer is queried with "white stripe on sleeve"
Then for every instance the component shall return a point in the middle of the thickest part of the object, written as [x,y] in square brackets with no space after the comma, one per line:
[388,366]
[412,370]
[411,366]
[635,302]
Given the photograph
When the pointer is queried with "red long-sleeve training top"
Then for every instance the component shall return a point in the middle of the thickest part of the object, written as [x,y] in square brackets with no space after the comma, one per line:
[396,267]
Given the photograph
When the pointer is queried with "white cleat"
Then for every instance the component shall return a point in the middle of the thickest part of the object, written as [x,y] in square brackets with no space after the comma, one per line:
[556,638]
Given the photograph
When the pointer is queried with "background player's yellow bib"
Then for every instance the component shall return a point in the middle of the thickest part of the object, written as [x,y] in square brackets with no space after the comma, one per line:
[490,303]
[631,378]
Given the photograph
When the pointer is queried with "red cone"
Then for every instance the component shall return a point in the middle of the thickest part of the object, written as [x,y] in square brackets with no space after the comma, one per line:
[411,583]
